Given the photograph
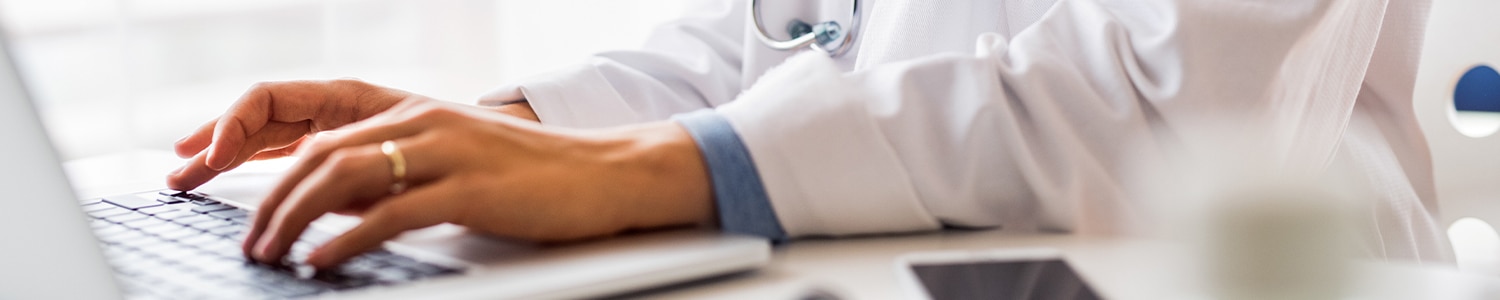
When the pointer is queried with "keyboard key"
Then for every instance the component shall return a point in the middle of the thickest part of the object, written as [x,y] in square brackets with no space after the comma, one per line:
[116,234]
[178,234]
[170,200]
[131,201]
[219,266]
[167,250]
[95,206]
[122,237]
[341,281]
[167,227]
[145,222]
[122,218]
[393,275]
[172,215]
[226,231]
[140,241]
[225,249]
[429,270]
[108,212]
[191,258]
[199,240]
[193,219]
[260,275]
[296,288]
[204,201]
[212,208]
[109,230]
[156,210]
[215,223]
[229,214]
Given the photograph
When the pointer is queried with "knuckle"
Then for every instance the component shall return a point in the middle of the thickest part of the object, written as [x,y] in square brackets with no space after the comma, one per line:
[320,143]
[432,112]
[264,86]
[344,162]
[348,82]
[260,85]
[408,106]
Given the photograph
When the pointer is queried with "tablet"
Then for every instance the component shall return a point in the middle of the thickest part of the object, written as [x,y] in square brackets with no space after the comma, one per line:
[1030,273]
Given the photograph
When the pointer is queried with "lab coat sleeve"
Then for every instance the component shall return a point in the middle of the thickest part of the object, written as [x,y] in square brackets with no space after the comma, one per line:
[688,64]
[1023,133]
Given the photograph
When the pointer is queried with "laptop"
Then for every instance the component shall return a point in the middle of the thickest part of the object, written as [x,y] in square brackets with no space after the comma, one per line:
[185,245]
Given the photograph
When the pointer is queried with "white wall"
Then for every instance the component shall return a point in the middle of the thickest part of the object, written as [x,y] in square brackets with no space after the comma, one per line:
[113,75]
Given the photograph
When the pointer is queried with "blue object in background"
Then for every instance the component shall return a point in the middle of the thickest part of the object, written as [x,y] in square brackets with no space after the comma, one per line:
[1478,90]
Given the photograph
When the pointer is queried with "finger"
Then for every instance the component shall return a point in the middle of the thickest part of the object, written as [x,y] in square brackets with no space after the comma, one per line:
[314,152]
[274,136]
[290,102]
[384,126]
[275,153]
[418,208]
[195,173]
[191,175]
[347,176]
[196,141]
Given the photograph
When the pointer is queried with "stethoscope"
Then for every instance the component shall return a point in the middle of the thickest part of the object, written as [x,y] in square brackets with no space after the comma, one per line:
[818,36]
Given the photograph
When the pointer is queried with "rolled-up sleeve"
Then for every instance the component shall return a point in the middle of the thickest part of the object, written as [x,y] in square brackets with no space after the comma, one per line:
[739,197]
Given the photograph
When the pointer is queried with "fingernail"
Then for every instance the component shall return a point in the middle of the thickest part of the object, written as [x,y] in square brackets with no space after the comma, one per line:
[315,259]
[263,252]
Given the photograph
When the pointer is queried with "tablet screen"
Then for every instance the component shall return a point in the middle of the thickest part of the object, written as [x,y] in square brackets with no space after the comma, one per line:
[1040,279]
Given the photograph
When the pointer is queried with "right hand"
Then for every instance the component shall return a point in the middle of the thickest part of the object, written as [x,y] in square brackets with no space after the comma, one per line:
[272,120]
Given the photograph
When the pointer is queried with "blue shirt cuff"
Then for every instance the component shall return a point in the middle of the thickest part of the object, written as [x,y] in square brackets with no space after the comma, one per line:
[739,195]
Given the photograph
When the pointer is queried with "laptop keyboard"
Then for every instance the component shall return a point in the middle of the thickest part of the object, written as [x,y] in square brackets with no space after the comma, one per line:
[184,245]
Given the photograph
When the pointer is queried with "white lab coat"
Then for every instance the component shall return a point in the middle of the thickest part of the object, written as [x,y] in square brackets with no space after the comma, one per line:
[1014,113]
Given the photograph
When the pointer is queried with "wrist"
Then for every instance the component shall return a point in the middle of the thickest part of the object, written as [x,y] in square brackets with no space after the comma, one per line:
[675,179]
[519,109]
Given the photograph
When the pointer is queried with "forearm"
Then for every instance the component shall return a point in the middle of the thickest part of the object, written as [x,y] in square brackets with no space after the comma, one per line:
[668,182]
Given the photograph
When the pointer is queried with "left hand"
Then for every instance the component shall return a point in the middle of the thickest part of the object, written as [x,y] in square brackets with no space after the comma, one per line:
[487,171]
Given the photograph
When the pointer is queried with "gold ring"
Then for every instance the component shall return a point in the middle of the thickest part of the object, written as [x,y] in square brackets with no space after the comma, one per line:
[398,166]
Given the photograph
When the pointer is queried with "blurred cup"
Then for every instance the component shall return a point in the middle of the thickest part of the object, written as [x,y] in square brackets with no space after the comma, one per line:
[1279,240]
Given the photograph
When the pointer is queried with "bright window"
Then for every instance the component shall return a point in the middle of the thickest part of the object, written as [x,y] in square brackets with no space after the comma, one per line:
[115,75]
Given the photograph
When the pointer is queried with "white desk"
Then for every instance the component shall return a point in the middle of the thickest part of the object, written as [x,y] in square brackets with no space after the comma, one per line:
[863,268]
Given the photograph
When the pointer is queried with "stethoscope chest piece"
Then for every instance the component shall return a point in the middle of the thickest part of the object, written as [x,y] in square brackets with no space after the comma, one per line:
[828,37]
[825,33]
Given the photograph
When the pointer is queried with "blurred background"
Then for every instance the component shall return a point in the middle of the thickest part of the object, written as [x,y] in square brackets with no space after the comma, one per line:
[117,75]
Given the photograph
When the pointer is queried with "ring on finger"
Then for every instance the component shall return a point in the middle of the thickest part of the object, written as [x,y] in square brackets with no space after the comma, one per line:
[398,165]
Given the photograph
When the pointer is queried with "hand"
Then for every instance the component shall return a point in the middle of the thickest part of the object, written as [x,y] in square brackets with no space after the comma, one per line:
[487,171]
[272,120]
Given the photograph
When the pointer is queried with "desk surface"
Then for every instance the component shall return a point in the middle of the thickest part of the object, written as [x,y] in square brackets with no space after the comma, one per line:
[864,268]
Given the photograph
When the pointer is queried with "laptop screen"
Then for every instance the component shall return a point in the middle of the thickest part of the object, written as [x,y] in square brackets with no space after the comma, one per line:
[46,248]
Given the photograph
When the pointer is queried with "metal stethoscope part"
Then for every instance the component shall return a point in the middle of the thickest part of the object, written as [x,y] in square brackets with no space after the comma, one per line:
[818,36]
